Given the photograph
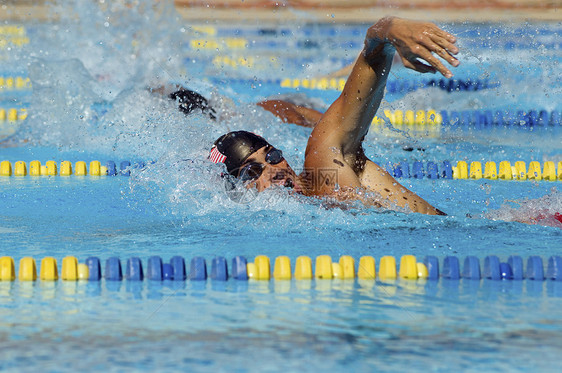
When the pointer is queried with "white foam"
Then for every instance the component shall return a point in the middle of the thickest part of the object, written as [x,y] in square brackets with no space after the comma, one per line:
[539,211]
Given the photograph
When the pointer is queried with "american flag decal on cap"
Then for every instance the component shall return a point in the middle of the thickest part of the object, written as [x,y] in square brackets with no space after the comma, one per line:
[215,156]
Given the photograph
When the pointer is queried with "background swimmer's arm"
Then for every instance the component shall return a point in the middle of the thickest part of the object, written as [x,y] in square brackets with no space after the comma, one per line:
[291,113]
[341,73]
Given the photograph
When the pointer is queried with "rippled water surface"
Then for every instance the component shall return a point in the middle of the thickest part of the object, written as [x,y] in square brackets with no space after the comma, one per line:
[90,72]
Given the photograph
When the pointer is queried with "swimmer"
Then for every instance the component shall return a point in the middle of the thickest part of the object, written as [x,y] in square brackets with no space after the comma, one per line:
[289,112]
[556,217]
[288,109]
[542,218]
[335,164]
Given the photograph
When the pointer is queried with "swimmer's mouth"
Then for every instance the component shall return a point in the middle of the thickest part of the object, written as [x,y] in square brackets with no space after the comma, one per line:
[289,184]
[278,179]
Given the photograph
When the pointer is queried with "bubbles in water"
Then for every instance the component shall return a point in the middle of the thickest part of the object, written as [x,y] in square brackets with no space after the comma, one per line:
[91,71]
[546,210]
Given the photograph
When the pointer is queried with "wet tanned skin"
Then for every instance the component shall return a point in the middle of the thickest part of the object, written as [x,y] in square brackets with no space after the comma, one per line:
[335,144]
[337,138]
[279,174]
[291,113]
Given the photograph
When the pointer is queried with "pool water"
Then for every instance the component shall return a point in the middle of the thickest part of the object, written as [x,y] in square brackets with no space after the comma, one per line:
[89,102]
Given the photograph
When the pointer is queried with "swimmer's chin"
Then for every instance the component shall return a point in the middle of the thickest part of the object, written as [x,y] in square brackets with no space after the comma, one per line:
[292,184]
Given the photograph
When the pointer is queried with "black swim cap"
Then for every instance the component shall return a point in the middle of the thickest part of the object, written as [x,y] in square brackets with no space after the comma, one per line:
[234,148]
[190,100]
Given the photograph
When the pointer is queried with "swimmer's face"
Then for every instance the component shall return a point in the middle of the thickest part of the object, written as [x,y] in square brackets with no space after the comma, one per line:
[266,167]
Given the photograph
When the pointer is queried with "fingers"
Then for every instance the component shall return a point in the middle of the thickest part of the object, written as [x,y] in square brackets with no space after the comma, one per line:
[438,65]
[445,44]
[444,52]
[445,35]
[420,42]
[434,65]
[418,66]
[411,61]
[442,44]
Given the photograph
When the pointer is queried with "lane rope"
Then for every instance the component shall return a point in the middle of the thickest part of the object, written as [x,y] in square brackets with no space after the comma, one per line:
[66,168]
[14,83]
[13,114]
[474,119]
[519,170]
[337,84]
[409,268]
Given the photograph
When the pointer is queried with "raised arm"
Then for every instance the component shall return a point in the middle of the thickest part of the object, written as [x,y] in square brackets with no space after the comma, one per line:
[348,119]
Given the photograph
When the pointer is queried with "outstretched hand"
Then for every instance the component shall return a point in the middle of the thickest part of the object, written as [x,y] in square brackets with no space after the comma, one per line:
[416,42]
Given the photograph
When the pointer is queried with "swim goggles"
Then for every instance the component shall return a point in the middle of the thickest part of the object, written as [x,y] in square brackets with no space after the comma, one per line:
[253,170]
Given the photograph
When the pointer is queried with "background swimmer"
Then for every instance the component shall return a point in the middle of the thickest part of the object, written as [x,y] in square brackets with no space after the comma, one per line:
[285,109]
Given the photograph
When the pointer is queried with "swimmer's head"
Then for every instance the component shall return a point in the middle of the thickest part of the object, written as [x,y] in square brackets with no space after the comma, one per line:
[190,101]
[252,160]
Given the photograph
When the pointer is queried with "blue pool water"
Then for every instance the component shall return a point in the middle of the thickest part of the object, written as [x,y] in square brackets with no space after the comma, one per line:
[89,102]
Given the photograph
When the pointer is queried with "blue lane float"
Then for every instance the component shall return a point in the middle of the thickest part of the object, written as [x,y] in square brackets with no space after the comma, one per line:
[417,170]
[198,269]
[535,269]
[124,168]
[178,268]
[113,270]
[403,169]
[219,269]
[111,168]
[471,268]
[239,268]
[516,264]
[492,268]
[554,268]
[451,268]
[94,269]
[167,271]
[432,265]
[432,171]
[134,271]
[154,268]
[505,271]
[446,170]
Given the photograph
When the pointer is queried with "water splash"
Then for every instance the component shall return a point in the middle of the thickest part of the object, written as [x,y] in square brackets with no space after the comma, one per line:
[95,55]
[546,210]
[91,70]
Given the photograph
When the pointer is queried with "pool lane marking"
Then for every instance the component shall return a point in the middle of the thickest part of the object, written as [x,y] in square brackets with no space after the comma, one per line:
[519,170]
[408,269]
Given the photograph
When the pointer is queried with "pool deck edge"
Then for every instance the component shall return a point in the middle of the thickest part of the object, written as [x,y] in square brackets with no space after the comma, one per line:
[368,14]
[225,11]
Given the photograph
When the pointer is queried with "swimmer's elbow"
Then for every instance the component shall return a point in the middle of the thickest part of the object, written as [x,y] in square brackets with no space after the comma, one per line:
[430,210]
[439,212]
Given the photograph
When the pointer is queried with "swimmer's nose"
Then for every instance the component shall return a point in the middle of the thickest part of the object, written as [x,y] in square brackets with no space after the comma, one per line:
[280,175]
